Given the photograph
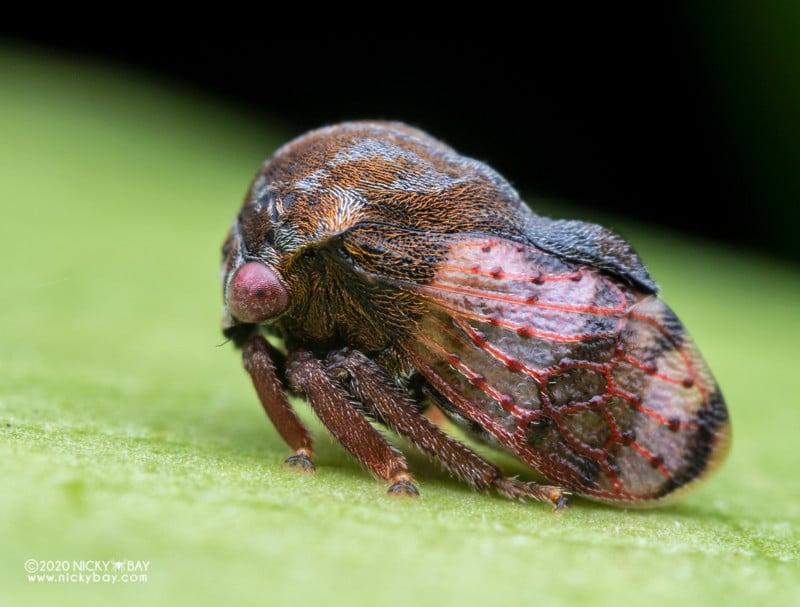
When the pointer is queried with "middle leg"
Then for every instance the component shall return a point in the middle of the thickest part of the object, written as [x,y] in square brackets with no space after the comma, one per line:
[370,384]
[306,374]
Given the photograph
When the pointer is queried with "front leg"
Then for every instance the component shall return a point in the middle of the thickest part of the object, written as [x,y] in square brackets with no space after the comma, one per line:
[307,375]
[258,356]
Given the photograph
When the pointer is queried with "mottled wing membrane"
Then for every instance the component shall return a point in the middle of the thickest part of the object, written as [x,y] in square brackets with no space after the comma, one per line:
[596,386]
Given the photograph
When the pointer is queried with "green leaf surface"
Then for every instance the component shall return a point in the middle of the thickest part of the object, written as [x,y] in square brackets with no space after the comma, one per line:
[129,433]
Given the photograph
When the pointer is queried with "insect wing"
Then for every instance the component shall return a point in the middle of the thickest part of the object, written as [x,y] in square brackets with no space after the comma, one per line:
[596,386]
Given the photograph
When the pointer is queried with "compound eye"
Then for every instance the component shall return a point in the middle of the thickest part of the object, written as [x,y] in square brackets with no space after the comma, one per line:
[256,293]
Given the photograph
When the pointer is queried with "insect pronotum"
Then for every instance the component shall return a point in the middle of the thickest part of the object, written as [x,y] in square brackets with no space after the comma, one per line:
[401,276]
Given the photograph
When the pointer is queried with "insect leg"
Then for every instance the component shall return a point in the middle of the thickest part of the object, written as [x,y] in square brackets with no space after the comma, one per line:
[307,375]
[373,387]
[258,357]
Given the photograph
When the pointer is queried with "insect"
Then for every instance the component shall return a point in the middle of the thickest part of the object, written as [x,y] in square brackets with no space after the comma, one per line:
[399,275]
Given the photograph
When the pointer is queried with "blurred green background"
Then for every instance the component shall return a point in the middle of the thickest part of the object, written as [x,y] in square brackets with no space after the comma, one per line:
[127,432]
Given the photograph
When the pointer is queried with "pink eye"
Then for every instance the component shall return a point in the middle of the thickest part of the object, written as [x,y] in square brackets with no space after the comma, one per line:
[256,294]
